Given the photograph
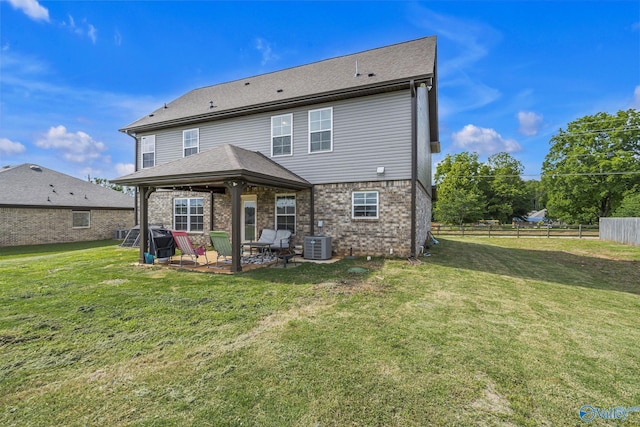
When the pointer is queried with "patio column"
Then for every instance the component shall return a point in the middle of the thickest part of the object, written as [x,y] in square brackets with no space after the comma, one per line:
[144,192]
[235,188]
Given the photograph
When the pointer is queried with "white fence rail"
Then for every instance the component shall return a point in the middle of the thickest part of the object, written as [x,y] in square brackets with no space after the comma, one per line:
[621,230]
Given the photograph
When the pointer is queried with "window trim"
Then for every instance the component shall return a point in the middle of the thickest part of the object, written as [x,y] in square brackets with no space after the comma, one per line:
[323,130]
[76,227]
[189,215]
[143,152]
[294,215]
[197,147]
[353,205]
[290,115]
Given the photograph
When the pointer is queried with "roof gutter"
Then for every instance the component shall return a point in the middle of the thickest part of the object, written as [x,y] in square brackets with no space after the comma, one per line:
[216,179]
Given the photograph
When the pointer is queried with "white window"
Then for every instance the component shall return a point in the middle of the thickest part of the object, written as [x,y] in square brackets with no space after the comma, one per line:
[364,204]
[321,130]
[148,144]
[286,212]
[188,214]
[281,135]
[190,141]
[81,219]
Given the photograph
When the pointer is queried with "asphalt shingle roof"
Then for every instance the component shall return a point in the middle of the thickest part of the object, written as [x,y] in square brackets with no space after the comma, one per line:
[29,185]
[214,167]
[376,68]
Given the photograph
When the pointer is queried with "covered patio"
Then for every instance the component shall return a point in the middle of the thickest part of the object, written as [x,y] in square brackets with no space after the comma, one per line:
[215,171]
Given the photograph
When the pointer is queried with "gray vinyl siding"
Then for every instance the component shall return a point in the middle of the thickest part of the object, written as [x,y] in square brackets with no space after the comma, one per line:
[368,132]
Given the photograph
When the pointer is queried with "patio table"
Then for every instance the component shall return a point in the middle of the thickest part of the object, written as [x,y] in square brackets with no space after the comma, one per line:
[258,246]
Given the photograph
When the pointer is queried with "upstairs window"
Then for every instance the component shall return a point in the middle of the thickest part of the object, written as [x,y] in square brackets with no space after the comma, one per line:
[321,130]
[190,141]
[286,213]
[148,151]
[188,214]
[364,204]
[281,134]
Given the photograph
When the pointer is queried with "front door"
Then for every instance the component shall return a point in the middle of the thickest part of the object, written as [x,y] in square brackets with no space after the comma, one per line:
[249,210]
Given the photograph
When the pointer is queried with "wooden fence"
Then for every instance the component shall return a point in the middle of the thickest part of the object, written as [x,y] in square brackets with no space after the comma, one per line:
[621,230]
[574,231]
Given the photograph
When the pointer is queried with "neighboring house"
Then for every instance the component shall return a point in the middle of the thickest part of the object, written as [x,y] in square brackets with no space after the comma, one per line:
[534,218]
[340,147]
[39,205]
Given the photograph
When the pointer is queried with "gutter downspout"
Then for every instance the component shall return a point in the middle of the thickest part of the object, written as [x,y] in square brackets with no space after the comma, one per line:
[414,164]
[312,209]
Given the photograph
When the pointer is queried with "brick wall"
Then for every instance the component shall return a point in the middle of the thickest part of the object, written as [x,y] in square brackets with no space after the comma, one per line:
[390,234]
[161,212]
[31,226]
[423,218]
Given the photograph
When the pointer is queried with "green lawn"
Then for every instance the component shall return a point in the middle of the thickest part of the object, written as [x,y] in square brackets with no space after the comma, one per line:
[489,332]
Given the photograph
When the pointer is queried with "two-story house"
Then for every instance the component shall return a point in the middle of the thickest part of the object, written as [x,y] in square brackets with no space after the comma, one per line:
[340,147]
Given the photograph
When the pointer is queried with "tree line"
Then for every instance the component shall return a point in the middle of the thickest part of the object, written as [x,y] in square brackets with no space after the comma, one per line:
[592,170]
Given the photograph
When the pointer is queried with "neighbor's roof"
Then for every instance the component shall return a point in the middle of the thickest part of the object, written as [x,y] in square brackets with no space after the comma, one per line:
[213,167]
[378,70]
[36,186]
[538,214]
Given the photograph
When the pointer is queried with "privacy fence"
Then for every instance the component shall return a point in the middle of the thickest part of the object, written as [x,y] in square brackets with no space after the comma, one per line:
[574,231]
[621,230]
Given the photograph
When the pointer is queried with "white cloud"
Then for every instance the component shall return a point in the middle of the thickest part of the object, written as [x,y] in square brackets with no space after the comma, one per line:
[32,9]
[636,99]
[76,147]
[469,42]
[125,168]
[264,47]
[82,30]
[483,141]
[530,122]
[470,38]
[8,147]
[92,32]
[117,38]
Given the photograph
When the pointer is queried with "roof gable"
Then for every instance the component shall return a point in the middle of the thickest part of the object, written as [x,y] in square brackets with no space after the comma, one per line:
[36,186]
[369,71]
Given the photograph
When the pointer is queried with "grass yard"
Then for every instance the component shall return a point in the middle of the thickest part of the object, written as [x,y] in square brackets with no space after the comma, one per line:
[488,332]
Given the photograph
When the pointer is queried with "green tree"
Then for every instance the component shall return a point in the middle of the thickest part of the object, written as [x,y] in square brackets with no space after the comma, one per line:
[459,206]
[630,205]
[495,186]
[460,170]
[536,195]
[103,182]
[460,198]
[504,190]
[591,166]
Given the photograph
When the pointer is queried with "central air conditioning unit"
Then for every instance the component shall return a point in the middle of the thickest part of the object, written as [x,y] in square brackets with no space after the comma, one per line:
[317,247]
[120,234]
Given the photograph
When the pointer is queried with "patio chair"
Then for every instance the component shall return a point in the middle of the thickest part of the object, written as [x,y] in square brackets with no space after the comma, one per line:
[221,244]
[276,240]
[186,247]
[281,241]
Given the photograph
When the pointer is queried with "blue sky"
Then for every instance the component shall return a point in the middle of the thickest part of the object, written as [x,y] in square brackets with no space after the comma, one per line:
[511,73]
